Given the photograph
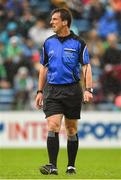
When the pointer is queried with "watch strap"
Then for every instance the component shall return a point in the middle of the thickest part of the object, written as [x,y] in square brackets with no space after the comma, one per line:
[89,89]
[39,91]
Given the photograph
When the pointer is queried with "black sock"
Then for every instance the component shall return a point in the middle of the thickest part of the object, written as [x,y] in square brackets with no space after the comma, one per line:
[72,147]
[53,147]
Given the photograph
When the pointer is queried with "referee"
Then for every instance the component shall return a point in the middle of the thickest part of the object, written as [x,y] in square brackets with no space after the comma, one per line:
[64,61]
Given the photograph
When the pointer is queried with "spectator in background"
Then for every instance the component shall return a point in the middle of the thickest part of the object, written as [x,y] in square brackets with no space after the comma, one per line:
[97,85]
[58,3]
[40,6]
[26,21]
[116,6]
[15,5]
[95,11]
[118,101]
[26,5]
[107,24]
[10,67]
[9,31]
[76,7]
[95,44]
[13,57]
[13,50]
[4,84]
[31,55]
[12,29]
[2,51]
[86,2]
[112,54]
[111,63]
[39,32]
[28,48]
[11,16]
[2,15]
[23,85]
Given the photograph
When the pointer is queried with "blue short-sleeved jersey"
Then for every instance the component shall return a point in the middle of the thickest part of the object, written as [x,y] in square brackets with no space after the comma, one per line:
[63,57]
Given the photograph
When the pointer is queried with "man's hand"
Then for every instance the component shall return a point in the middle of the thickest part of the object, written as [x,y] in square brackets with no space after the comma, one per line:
[88,96]
[39,100]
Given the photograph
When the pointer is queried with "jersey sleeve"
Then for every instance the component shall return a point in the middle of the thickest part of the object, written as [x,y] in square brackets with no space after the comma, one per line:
[44,56]
[84,54]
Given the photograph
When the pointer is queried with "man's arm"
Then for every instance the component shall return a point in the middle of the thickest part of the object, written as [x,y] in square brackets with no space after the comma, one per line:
[86,78]
[42,77]
[41,84]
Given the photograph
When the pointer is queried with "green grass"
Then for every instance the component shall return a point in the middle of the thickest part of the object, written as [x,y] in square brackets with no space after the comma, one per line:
[90,164]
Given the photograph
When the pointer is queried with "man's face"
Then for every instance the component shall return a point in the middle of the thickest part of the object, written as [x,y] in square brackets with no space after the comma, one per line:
[56,22]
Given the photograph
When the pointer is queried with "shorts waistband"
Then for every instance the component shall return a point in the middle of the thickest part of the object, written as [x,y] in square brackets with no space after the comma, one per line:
[68,84]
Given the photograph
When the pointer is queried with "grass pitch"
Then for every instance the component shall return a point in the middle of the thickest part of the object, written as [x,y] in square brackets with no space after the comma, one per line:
[90,164]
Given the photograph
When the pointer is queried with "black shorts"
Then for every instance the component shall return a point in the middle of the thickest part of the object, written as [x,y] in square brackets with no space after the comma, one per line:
[63,99]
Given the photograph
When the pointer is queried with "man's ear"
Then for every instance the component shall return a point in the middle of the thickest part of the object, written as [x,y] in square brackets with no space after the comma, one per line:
[64,22]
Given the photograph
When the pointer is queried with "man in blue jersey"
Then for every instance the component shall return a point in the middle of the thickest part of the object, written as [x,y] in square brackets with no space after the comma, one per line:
[64,61]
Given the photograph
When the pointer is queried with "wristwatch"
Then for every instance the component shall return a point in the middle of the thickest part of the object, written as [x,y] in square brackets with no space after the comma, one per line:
[39,91]
[89,89]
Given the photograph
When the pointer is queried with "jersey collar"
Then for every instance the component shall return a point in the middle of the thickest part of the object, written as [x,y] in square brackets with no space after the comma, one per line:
[62,39]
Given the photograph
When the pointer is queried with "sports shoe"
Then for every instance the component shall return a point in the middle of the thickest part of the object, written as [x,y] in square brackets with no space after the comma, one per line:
[71,170]
[49,169]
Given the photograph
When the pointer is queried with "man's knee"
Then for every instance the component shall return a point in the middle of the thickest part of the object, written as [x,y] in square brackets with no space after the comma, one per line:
[53,126]
[71,131]
[54,123]
[71,127]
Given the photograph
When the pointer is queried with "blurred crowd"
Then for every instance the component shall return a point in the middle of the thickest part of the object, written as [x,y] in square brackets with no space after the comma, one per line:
[24,25]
